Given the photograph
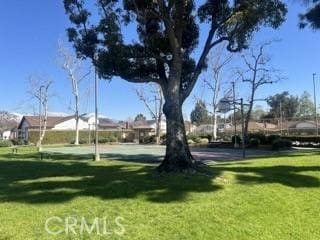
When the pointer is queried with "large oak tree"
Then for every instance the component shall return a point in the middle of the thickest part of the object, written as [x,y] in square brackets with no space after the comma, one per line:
[163,53]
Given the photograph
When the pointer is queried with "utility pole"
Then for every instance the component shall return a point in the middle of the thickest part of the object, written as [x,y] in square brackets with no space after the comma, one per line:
[281,120]
[240,102]
[234,114]
[96,147]
[315,102]
[89,136]
[243,134]
[40,110]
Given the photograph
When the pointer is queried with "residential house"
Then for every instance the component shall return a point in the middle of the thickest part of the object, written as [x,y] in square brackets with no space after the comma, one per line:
[8,129]
[303,127]
[254,127]
[60,123]
[189,127]
[103,123]
[143,129]
[53,123]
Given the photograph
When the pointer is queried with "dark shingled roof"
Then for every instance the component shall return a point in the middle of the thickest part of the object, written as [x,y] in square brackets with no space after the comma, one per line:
[107,123]
[7,125]
[142,124]
[33,121]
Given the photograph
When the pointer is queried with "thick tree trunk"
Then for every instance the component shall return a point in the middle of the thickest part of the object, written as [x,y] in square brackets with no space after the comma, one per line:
[178,157]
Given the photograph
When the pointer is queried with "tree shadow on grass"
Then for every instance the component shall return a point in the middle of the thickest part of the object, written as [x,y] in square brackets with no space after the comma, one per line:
[59,180]
[37,182]
[292,176]
[134,158]
[273,155]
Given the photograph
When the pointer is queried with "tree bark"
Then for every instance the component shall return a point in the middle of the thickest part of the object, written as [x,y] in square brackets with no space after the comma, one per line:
[158,130]
[215,127]
[178,157]
[45,117]
[248,116]
[159,115]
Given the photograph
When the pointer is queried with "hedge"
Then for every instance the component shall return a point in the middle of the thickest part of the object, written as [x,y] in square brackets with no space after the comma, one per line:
[5,143]
[281,143]
[303,139]
[197,137]
[62,137]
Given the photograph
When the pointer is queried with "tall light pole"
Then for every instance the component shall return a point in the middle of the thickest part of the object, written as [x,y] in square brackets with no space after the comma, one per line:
[40,104]
[315,101]
[281,118]
[96,147]
[242,127]
[234,114]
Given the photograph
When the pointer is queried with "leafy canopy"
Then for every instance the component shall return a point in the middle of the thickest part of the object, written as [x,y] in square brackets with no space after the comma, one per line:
[285,103]
[311,17]
[168,33]
[199,114]
[140,117]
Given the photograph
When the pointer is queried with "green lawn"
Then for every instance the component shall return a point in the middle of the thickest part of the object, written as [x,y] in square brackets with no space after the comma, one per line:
[266,198]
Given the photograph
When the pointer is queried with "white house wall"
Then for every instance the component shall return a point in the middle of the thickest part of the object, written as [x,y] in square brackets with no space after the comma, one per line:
[71,125]
[163,126]
[6,135]
[305,125]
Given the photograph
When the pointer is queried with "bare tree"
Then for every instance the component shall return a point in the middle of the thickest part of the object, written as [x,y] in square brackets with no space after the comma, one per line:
[257,73]
[38,88]
[217,62]
[72,66]
[154,104]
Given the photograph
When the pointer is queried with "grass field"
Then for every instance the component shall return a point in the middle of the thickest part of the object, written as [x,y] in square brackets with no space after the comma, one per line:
[265,198]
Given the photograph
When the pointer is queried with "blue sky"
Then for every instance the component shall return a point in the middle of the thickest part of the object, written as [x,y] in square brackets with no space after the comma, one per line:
[29,31]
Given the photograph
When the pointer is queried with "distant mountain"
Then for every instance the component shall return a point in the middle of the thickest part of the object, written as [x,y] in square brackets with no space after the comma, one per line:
[7,116]
[58,114]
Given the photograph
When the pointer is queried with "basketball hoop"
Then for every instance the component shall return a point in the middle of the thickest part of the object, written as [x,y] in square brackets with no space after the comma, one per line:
[224,105]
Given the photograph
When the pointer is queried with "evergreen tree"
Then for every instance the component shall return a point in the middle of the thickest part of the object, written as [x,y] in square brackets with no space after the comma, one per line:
[162,52]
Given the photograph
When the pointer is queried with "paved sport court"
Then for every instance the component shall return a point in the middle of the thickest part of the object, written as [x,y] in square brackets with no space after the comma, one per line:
[155,153]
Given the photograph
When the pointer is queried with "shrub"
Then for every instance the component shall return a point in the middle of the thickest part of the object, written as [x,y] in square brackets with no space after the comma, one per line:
[81,141]
[103,140]
[194,136]
[163,139]
[271,138]
[281,143]
[150,139]
[109,139]
[260,136]
[19,142]
[304,139]
[5,143]
[60,137]
[190,141]
[254,142]
[204,140]
[197,140]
